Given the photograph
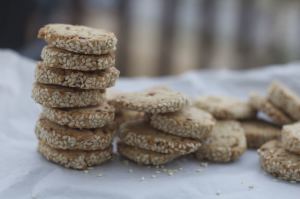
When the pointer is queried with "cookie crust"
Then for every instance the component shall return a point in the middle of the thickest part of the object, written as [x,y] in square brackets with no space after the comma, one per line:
[75,159]
[78,39]
[291,138]
[63,97]
[76,79]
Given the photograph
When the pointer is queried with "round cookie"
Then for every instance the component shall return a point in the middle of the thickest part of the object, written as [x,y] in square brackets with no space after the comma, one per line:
[62,137]
[63,97]
[189,122]
[263,105]
[78,39]
[285,99]
[222,107]
[226,142]
[85,117]
[259,132]
[290,137]
[76,79]
[59,58]
[140,134]
[278,162]
[75,159]
[145,157]
[155,100]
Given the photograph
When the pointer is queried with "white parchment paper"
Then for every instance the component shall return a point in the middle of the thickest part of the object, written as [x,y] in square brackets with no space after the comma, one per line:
[25,174]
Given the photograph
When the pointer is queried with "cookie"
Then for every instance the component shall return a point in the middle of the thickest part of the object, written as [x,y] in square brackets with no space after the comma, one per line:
[226,142]
[63,97]
[263,105]
[59,58]
[275,160]
[259,132]
[62,137]
[85,117]
[190,122]
[122,116]
[155,100]
[222,107]
[76,79]
[78,39]
[145,157]
[285,99]
[291,137]
[141,134]
[75,159]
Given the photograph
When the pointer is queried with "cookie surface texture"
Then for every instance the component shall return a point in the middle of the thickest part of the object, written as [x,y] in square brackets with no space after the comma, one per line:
[291,137]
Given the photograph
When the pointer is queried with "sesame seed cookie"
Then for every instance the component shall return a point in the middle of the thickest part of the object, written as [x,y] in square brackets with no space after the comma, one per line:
[265,106]
[278,162]
[76,79]
[75,159]
[78,39]
[59,58]
[259,132]
[62,137]
[146,157]
[226,142]
[64,97]
[155,100]
[285,99]
[85,117]
[291,137]
[189,122]
[140,134]
[222,107]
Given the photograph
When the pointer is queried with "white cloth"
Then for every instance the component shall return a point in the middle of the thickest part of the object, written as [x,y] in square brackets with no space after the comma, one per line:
[26,174]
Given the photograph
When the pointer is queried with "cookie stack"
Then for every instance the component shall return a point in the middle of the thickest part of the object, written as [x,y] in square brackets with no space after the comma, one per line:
[281,158]
[74,129]
[169,128]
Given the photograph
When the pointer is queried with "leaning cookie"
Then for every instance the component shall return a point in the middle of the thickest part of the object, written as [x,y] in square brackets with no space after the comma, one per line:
[75,159]
[142,156]
[285,99]
[190,122]
[78,39]
[226,142]
[155,100]
[280,163]
[63,97]
[59,58]
[263,105]
[76,79]
[85,117]
[222,107]
[141,134]
[259,132]
[62,137]
[290,138]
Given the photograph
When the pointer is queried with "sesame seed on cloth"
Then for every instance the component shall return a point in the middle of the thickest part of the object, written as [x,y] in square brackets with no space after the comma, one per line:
[146,157]
[75,159]
[140,134]
[188,122]
[62,137]
[226,142]
[59,58]
[275,160]
[64,97]
[79,39]
[290,137]
[85,117]
[100,79]
[154,100]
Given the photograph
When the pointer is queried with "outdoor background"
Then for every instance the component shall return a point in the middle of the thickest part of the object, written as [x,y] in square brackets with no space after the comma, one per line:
[164,37]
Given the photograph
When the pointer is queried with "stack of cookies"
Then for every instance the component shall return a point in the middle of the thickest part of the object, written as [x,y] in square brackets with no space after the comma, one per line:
[74,129]
[281,158]
[169,128]
[227,141]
